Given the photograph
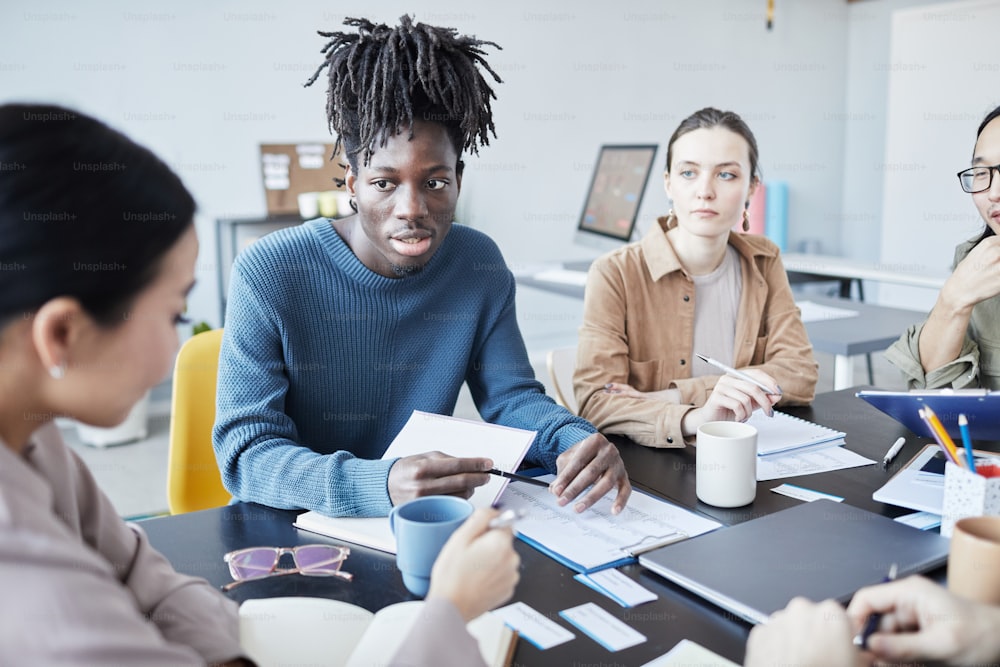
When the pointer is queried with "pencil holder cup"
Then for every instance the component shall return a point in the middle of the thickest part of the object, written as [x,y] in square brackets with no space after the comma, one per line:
[967,494]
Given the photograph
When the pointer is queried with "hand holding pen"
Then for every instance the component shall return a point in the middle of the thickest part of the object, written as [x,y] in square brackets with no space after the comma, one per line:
[478,567]
[871,623]
[734,398]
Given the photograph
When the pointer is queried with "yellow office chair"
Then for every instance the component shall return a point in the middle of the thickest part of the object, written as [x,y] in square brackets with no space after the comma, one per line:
[561,363]
[193,480]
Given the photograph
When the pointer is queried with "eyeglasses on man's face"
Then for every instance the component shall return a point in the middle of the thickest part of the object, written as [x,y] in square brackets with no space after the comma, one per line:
[977,179]
[311,560]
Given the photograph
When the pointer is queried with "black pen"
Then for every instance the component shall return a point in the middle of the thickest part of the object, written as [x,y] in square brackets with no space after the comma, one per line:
[518,478]
[871,625]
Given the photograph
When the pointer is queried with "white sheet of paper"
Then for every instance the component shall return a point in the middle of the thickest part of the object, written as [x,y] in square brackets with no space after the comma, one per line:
[608,631]
[597,537]
[816,312]
[808,463]
[623,590]
[426,432]
[690,654]
[534,626]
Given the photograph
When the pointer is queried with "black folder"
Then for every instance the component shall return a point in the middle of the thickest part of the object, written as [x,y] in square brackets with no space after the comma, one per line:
[818,550]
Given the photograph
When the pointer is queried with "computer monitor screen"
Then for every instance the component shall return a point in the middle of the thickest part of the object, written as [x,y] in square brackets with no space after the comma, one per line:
[615,194]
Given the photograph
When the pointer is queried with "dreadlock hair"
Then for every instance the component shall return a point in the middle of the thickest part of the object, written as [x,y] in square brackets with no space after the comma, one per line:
[382,79]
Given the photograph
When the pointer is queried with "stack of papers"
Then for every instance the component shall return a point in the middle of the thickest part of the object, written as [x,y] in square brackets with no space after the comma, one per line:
[788,446]
[596,539]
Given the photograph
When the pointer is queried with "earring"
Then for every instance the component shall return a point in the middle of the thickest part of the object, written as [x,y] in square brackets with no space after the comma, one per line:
[671,218]
[57,372]
[746,221]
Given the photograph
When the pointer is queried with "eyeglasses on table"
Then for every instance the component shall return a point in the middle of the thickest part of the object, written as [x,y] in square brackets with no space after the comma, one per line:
[311,560]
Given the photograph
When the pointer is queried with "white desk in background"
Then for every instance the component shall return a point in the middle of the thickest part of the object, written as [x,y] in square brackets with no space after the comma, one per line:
[809,268]
[873,329]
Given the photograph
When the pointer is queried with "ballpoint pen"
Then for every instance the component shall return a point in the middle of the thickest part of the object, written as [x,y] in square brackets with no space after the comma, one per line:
[518,478]
[891,454]
[963,428]
[871,625]
[729,370]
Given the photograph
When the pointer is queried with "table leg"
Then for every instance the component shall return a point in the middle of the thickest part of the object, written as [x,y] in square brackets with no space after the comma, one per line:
[843,371]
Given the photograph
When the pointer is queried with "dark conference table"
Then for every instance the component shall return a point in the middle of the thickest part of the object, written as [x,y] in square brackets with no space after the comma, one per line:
[195,544]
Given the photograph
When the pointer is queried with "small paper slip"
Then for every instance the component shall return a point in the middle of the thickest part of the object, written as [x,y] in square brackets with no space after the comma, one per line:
[537,628]
[425,432]
[920,520]
[795,464]
[618,587]
[816,312]
[784,433]
[807,495]
[690,654]
[602,627]
[596,539]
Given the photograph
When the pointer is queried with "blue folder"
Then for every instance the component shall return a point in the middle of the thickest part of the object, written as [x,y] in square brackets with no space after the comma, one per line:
[980,406]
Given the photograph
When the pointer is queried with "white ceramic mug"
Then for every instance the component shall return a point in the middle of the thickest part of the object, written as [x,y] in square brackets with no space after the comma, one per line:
[726,464]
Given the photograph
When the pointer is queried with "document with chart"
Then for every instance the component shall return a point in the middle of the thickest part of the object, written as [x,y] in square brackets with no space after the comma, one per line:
[596,539]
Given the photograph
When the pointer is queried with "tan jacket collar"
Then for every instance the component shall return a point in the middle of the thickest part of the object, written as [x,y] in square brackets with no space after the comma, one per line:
[661,259]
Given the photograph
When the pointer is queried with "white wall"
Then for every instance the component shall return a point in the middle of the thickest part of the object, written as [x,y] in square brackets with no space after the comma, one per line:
[203,84]
[864,118]
[945,77]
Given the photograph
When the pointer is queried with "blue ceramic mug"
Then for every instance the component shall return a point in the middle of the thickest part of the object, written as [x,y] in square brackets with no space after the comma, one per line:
[421,527]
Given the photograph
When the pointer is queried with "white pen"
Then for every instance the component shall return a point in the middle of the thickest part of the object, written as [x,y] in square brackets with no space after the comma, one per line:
[506,518]
[729,370]
[891,454]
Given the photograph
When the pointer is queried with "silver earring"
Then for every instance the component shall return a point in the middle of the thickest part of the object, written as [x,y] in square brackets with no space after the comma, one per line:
[58,371]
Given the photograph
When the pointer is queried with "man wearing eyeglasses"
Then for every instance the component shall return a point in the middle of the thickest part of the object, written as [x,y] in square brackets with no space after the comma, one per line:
[958,345]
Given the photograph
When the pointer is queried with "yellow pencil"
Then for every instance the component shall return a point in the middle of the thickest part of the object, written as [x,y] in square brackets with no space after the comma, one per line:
[934,433]
[943,434]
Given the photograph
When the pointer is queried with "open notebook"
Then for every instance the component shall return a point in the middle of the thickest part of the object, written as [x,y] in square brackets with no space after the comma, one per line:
[320,631]
[785,433]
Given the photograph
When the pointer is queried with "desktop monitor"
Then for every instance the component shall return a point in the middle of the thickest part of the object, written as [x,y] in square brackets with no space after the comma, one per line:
[616,189]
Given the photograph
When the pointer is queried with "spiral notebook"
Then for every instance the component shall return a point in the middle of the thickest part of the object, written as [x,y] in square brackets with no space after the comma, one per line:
[784,433]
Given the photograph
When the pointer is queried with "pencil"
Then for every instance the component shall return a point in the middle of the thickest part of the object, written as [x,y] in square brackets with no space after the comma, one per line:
[963,428]
[948,442]
[937,437]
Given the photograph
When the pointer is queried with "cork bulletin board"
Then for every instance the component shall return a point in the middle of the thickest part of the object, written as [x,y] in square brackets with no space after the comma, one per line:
[291,169]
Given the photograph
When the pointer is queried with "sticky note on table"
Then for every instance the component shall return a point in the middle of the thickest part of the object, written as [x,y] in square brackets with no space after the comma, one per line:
[602,627]
[534,626]
[617,586]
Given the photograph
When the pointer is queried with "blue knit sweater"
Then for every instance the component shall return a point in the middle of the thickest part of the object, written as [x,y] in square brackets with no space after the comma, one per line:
[323,361]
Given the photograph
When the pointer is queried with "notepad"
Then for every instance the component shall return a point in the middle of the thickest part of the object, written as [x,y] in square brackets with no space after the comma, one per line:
[818,550]
[424,432]
[785,433]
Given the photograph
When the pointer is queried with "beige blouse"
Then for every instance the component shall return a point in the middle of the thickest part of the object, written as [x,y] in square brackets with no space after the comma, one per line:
[638,328]
[82,587]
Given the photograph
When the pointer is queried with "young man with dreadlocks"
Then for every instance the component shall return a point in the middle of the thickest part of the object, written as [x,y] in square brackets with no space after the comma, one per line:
[337,330]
